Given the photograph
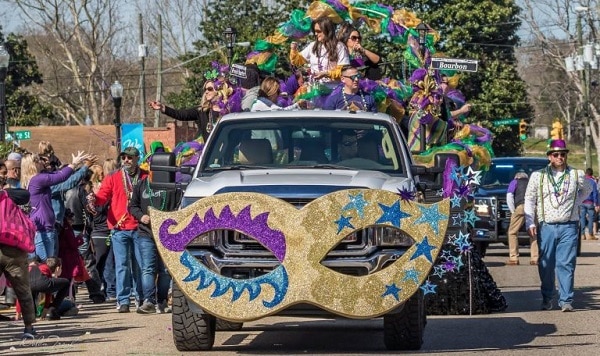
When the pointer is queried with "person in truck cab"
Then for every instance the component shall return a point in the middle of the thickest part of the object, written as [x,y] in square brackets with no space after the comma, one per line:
[515,198]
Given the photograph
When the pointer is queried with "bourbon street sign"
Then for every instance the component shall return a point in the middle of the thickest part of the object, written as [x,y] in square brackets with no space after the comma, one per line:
[463,65]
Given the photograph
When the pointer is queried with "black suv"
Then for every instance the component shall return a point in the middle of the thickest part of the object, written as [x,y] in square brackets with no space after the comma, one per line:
[490,200]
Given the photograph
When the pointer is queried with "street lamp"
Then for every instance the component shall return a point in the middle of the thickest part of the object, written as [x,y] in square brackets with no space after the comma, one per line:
[4,58]
[116,91]
[230,35]
[422,30]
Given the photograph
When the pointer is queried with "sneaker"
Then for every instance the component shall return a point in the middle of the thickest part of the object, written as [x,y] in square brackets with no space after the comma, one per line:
[567,307]
[97,299]
[163,308]
[124,308]
[147,308]
[547,305]
[29,333]
[512,262]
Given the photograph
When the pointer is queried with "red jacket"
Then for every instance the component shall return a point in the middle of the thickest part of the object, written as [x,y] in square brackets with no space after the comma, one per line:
[112,190]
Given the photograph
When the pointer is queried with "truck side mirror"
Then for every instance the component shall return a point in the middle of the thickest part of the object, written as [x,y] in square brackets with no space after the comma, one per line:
[163,171]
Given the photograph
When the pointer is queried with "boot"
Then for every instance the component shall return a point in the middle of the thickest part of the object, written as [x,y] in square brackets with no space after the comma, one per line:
[589,236]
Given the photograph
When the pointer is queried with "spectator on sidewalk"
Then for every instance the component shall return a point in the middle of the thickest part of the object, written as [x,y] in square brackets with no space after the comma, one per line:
[515,198]
[588,209]
[116,190]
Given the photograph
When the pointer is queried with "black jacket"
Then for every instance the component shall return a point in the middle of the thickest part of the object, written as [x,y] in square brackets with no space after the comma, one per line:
[143,197]
[194,114]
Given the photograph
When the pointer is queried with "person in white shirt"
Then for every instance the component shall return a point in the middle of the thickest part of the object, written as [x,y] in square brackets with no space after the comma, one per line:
[552,199]
[326,55]
[267,97]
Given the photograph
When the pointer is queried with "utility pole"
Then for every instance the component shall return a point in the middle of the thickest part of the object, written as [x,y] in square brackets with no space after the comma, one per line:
[159,71]
[142,53]
[585,81]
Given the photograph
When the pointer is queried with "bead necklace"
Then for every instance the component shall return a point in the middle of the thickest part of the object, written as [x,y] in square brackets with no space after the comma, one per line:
[128,184]
[558,188]
[161,193]
[347,105]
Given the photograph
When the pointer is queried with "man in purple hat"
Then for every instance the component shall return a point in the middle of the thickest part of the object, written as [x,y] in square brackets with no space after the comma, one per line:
[552,199]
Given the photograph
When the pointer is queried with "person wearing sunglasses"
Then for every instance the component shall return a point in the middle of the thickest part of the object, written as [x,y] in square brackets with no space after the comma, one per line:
[205,115]
[349,96]
[360,57]
[116,190]
[325,55]
[552,199]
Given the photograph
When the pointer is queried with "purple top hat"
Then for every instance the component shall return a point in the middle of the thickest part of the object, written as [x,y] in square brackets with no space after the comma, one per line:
[557,145]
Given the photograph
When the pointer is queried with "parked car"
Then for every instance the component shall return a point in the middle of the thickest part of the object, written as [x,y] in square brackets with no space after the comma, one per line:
[490,201]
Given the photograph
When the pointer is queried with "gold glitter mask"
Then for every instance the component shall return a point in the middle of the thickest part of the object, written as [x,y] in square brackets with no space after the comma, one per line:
[300,240]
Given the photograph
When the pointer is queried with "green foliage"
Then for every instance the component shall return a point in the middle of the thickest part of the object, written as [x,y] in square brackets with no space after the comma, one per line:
[251,20]
[23,108]
[483,30]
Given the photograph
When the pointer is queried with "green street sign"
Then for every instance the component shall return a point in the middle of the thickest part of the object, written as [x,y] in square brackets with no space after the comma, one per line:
[502,122]
[22,135]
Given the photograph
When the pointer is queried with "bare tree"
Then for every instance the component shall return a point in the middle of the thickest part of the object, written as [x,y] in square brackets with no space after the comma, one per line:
[76,44]
[552,29]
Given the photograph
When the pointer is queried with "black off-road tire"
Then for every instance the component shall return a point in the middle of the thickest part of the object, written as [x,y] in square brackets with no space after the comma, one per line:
[224,325]
[405,330]
[191,331]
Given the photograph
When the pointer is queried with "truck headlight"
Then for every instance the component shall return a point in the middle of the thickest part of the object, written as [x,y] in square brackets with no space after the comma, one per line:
[391,237]
[207,239]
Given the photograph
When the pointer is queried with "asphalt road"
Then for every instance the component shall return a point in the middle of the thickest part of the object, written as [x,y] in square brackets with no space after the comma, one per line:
[523,329]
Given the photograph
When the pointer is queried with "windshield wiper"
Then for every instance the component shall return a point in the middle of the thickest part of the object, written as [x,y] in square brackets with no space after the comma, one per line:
[325,166]
[236,167]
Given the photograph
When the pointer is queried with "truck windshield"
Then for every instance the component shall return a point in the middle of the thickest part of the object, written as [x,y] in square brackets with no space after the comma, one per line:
[503,173]
[303,143]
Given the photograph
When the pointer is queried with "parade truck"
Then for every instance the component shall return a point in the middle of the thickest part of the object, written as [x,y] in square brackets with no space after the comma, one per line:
[304,213]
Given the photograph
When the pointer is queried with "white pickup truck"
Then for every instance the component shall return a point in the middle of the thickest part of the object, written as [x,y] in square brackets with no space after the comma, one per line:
[356,160]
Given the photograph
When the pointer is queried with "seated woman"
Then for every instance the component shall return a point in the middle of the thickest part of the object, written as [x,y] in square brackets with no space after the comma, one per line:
[267,97]
[360,57]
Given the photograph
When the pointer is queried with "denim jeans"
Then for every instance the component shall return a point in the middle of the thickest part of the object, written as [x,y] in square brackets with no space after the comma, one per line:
[122,245]
[558,255]
[163,281]
[146,255]
[586,218]
[46,244]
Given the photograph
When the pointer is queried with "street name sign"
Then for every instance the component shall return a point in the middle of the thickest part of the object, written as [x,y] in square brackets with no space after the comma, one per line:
[503,122]
[463,65]
[22,135]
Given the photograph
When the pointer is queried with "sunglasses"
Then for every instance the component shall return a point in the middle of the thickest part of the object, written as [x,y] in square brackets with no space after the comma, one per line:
[353,77]
[559,154]
[209,88]
[349,143]
[124,157]
[317,31]
[356,38]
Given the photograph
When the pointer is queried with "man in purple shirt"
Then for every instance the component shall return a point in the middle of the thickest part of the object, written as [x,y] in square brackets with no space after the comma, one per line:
[515,199]
[588,209]
[350,97]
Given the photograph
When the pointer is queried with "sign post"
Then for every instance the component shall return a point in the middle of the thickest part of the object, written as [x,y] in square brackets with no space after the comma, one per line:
[462,65]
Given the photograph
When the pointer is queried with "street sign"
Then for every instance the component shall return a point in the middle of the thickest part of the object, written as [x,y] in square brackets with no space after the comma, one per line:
[503,122]
[22,135]
[238,70]
[463,65]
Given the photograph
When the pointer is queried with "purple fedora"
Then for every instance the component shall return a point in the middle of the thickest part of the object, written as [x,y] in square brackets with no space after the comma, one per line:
[557,146]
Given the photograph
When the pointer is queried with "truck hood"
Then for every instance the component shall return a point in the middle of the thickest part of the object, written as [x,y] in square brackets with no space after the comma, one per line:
[286,183]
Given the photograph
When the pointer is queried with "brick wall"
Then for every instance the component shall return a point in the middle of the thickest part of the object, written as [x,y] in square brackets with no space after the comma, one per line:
[99,139]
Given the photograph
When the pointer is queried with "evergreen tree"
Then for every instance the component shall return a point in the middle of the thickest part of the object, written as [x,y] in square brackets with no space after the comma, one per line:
[22,108]
[485,31]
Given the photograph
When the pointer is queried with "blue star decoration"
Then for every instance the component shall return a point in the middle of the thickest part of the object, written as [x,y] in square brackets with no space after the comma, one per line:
[431,215]
[392,290]
[470,217]
[455,200]
[391,214]
[411,275]
[342,222]
[457,219]
[358,203]
[428,288]
[438,271]
[424,249]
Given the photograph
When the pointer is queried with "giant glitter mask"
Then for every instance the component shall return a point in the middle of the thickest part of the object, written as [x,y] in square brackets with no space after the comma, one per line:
[300,240]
